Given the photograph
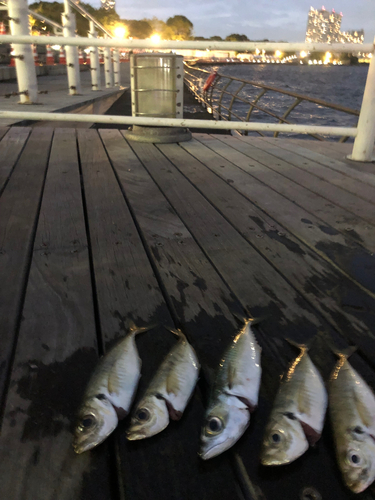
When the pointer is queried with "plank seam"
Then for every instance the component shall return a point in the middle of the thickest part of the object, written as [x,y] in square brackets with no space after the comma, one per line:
[21,299]
[14,166]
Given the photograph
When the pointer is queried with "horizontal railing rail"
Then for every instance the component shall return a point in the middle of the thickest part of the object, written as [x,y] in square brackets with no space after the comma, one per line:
[364,133]
[214,98]
[191,44]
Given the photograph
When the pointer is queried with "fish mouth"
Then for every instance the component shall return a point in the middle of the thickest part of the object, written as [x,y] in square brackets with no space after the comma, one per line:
[212,452]
[273,462]
[135,436]
[80,448]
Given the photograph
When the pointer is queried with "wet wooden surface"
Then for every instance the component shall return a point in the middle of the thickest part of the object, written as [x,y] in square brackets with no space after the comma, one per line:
[97,233]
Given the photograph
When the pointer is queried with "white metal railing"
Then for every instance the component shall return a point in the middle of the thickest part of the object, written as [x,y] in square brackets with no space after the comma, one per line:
[364,134]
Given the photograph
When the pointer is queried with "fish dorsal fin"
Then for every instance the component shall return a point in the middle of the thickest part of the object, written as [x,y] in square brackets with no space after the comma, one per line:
[173,383]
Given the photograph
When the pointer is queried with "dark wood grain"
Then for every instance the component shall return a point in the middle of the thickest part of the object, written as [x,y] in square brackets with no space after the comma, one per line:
[56,352]
[338,151]
[337,179]
[166,466]
[3,131]
[322,285]
[197,215]
[335,172]
[19,206]
[344,249]
[10,149]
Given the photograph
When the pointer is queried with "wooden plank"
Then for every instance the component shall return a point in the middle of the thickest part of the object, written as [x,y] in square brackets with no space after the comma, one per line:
[308,273]
[3,131]
[201,219]
[335,172]
[10,150]
[56,351]
[337,151]
[19,206]
[127,290]
[344,199]
[263,188]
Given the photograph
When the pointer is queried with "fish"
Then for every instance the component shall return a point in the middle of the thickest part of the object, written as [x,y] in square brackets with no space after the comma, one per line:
[109,393]
[234,394]
[298,413]
[352,413]
[169,391]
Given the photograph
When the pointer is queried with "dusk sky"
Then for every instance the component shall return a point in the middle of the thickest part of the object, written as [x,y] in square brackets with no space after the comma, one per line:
[272,19]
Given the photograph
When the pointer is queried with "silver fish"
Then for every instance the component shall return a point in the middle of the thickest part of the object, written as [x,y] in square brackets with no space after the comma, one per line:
[297,417]
[352,412]
[109,393]
[234,394]
[168,393]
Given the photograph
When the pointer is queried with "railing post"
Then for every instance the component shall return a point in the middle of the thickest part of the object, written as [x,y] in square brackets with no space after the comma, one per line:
[108,67]
[116,67]
[25,67]
[94,61]
[364,142]
[72,65]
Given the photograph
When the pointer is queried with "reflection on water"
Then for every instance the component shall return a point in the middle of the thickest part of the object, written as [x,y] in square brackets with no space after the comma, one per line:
[343,85]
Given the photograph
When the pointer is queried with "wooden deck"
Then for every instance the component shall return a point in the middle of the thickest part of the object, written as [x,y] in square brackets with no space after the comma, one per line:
[96,233]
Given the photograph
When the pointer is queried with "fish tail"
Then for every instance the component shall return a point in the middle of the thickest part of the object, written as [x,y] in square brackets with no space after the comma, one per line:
[177,332]
[343,353]
[302,347]
[134,330]
[247,318]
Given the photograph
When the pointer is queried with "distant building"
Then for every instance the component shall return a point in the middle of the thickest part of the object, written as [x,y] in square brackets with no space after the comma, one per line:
[324,26]
[108,4]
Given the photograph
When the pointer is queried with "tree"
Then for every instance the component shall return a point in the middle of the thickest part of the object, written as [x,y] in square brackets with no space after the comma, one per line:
[235,37]
[216,38]
[181,26]
[139,29]
[53,11]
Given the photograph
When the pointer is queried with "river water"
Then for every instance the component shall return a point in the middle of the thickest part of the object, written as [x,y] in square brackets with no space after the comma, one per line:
[342,85]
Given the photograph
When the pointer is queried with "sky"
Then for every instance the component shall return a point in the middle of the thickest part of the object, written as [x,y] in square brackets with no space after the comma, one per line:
[273,19]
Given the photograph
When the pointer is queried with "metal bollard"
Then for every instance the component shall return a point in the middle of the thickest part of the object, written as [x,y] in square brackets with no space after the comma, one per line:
[94,61]
[23,54]
[72,66]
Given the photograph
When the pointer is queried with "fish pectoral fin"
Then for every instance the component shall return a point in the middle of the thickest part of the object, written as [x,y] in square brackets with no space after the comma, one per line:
[173,383]
[311,434]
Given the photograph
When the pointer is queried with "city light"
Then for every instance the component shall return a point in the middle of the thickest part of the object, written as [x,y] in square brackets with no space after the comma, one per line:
[155,38]
[327,57]
[120,32]
[303,54]
[278,53]
[257,51]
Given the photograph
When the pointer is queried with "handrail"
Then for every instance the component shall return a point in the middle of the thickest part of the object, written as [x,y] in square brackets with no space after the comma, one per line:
[76,5]
[193,44]
[214,99]
[364,133]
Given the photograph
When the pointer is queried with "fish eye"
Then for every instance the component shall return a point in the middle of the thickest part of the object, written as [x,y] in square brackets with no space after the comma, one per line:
[143,415]
[354,459]
[214,425]
[358,430]
[275,438]
[87,421]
